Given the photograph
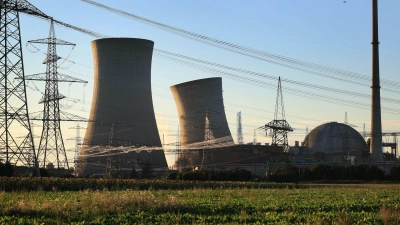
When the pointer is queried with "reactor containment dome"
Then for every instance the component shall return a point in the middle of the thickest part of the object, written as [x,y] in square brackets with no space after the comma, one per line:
[333,138]
[122,105]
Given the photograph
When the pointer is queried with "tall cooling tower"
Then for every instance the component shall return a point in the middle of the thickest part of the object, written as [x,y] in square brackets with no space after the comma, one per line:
[121,96]
[192,99]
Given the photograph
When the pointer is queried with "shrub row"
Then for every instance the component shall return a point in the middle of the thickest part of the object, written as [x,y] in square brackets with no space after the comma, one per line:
[235,174]
[364,172]
[81,184]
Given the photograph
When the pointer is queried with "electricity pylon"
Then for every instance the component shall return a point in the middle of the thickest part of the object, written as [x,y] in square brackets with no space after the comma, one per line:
[78,144]
[208,154]
[51,141]
[14,119]
[279,127]
[346,121]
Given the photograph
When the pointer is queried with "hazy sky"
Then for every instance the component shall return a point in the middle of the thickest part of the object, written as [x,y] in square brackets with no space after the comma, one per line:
[329,32]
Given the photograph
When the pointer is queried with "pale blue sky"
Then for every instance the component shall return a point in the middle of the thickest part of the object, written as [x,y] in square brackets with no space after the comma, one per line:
[326,32]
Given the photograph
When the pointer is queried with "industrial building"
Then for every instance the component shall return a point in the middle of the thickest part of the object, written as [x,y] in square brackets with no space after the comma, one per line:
[333,142]
[122,111]
[233,156]
[195,99]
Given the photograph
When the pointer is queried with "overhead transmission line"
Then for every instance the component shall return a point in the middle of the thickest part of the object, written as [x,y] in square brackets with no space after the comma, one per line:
[288,62]
[189,62]
[311,95]
[241,78]
[320,97]
[313,86]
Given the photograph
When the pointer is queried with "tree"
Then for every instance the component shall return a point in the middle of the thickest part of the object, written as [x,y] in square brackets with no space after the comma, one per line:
[147,170]
[50,166]
[132,174]
[395,173]
[115,174]
[286,173]
[6,169]
[182,162]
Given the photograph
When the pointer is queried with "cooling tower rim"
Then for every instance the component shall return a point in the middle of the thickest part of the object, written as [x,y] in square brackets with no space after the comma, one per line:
[122,38]
[192,82]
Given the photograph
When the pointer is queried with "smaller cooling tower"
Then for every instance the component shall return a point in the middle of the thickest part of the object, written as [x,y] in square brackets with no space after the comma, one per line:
[122,96]
[192,99]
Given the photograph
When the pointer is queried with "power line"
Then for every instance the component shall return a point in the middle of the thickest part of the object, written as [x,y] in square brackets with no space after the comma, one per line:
[313,68]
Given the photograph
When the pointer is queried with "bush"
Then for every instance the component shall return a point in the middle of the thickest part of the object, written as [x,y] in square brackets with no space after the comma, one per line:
[286,173]
[239,174]
[395,173]
[321,172]
[6,169]
[235,174]
[132,174]
[171,176]
[147,170]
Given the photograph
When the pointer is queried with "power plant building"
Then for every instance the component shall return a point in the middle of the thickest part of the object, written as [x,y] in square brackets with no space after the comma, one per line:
[334,142]
[193,99]
[122,111]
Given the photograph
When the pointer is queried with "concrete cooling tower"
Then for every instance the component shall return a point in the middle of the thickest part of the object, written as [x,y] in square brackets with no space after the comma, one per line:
[192,99]
[121,96]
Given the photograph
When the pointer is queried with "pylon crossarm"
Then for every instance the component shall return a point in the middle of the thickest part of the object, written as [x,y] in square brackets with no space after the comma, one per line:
[279,125]
[50,98]
[51,41]
[64,116]
[23,6]
[60,78]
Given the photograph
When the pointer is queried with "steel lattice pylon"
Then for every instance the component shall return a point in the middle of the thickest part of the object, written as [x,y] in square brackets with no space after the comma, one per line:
[208,155]
[14,119]
[51,141]
[78,144]
[279,127]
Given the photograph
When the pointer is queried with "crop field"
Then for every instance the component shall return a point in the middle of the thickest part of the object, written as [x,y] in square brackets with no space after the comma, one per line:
[304,204]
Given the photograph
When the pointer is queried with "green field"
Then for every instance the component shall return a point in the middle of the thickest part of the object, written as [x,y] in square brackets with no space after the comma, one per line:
[301,204]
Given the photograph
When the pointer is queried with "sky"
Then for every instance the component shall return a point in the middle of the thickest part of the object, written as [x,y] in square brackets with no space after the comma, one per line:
[330,33]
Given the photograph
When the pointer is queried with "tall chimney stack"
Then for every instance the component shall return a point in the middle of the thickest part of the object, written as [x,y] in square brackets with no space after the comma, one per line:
[376,120]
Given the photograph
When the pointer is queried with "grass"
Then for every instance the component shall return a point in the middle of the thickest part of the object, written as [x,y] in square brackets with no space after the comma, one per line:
[347,204]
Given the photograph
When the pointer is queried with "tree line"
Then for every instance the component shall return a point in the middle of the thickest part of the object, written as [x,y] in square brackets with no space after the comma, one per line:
[286,173]
[327,172]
